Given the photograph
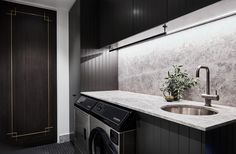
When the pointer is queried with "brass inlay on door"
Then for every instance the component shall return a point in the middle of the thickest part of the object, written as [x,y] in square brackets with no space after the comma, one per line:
[47,129]
[47,19]
[12,94]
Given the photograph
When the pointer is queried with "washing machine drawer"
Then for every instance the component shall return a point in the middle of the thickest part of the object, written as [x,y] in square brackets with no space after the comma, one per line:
[82,122]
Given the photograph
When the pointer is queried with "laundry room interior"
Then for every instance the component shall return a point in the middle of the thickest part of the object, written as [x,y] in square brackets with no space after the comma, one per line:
[118,77]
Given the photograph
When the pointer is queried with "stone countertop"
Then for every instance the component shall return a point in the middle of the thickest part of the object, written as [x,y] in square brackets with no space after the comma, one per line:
[151,105]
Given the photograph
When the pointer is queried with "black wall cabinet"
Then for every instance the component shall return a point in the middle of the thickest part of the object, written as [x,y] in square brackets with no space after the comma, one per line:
[193,5]
[115,20]
[148,14]
[176,8]
[119,19]
[98,67]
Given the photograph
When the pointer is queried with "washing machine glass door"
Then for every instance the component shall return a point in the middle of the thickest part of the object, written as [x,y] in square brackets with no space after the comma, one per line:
[100,143]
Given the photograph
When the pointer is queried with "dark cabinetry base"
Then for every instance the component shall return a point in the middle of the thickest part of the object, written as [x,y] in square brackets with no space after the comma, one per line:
[155,135]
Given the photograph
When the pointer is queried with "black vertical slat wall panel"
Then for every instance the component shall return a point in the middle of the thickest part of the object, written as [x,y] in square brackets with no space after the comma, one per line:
[183,140]
[174,138]
[195,141]
[145,141]
[155,135]
[165,137]
[159,136]
[99,67]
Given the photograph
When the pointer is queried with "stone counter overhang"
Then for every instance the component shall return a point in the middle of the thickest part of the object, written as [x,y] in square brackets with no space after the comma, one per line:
[151,105]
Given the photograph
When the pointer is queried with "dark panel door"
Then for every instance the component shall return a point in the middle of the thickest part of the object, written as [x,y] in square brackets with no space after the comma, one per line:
[5,76]
[115,20]
[30,73]
[148,14]
[30,68]
[176,8]
[193,5]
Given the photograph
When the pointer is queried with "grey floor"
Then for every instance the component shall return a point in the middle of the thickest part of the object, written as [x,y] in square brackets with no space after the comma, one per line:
[63,148]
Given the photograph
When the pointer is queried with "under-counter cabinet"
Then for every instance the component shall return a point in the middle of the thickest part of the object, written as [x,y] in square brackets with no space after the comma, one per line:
[161,132]
[156,135]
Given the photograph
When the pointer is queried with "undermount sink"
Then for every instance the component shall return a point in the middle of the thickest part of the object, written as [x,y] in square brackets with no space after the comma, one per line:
[189,110]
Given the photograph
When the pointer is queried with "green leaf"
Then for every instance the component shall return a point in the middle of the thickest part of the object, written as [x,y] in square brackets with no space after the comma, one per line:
[178,81]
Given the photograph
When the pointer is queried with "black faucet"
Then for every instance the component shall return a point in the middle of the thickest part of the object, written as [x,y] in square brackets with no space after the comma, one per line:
[208,97]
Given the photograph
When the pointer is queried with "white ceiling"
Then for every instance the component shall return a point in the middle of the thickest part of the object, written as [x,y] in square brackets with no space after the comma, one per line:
[55,4]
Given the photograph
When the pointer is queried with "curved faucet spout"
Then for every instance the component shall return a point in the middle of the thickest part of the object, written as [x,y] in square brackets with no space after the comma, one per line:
[207,76]
[207,96]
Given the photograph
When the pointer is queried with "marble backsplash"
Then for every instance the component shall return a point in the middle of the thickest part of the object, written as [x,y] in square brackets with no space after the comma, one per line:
[143,67]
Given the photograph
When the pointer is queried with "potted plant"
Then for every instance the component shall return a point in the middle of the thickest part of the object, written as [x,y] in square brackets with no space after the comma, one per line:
[176,83]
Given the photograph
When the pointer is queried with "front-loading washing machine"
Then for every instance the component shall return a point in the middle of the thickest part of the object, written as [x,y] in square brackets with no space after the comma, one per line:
[112,130]
[103,128]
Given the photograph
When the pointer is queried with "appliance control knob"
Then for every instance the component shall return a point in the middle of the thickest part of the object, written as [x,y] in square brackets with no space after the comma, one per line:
[99,108]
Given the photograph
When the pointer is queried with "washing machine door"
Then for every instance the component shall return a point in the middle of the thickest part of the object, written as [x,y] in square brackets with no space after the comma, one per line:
[100,143]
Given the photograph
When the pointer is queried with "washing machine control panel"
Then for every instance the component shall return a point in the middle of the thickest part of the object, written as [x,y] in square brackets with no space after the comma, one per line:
[110,113]
[85,103]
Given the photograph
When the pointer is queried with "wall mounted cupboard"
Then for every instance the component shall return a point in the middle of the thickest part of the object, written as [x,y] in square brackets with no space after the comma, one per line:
[124,18]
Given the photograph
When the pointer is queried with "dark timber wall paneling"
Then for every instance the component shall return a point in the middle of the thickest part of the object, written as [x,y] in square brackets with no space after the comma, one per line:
[155,135]
[28,75]
[99,67]
[5,73]
[100,73]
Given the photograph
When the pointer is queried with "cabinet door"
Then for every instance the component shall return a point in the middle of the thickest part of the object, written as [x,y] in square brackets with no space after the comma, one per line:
[176,8]
[148,14]
[193,5]
[81,130]
[115,20]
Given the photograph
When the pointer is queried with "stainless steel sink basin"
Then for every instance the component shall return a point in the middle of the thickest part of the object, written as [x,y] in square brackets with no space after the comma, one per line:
[189,110]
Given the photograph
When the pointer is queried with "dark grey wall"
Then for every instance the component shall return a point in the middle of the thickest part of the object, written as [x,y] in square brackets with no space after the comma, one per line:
[99,67]
[74,58]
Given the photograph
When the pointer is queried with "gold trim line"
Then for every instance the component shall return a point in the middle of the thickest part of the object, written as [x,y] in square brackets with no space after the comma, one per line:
[47,129]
